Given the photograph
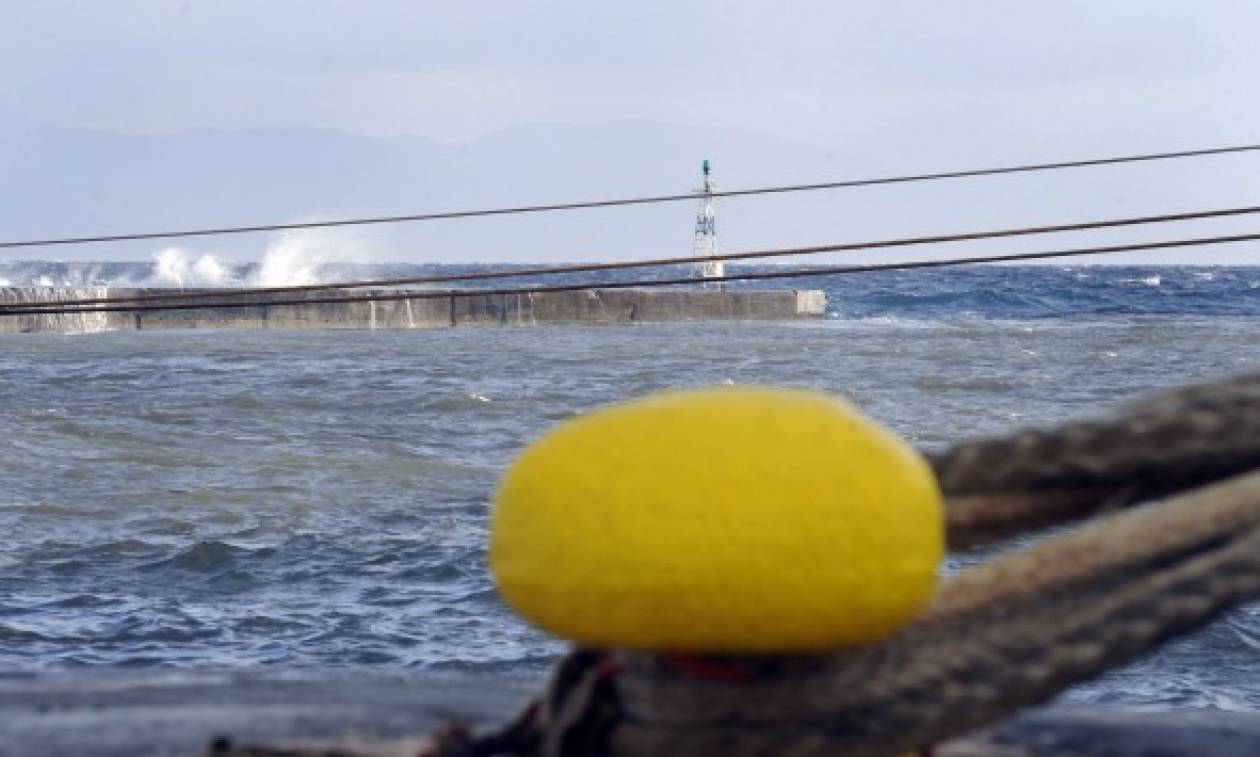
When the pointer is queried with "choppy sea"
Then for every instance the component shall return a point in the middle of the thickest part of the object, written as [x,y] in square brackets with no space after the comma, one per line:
[320,499]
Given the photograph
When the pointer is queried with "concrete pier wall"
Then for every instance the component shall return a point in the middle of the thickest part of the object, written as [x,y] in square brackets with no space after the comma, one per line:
[129,713]
[436,310]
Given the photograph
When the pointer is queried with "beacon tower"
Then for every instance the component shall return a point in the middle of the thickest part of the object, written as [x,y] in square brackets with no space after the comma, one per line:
[705,244]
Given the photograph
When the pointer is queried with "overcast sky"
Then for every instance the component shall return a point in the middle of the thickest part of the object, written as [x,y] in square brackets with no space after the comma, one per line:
[903,86]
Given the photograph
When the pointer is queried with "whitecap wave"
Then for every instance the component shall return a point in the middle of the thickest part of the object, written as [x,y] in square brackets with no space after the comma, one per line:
[179,268]
[295,259]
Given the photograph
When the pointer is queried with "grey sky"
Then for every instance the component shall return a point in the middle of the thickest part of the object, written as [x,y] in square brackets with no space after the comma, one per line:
[887,87]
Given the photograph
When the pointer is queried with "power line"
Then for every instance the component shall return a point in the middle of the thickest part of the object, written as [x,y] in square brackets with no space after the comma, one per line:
[653,262]
[750,276]
[617,202]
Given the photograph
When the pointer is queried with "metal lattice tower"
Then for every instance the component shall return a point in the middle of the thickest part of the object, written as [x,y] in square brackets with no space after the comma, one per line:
[706,231]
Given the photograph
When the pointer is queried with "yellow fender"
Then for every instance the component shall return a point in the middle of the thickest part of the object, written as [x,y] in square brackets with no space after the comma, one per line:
[728,520]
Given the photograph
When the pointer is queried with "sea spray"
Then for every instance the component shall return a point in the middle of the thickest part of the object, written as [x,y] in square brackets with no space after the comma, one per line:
[64,323]
[294,259]
[177,267]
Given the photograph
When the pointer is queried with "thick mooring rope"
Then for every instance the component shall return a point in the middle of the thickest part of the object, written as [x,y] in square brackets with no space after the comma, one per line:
[1021,628]
[998,637]
[1168,443]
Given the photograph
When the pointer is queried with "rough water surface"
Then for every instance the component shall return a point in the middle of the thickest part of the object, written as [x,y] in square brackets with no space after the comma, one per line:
[314,500]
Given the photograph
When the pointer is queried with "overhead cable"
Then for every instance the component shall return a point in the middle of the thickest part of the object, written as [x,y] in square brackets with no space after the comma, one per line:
[650,262]
[428,294]
[616,202]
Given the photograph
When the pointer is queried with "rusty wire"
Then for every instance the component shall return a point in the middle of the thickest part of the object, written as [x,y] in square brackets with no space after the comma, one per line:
[624,201]
[424,294]
[51,305]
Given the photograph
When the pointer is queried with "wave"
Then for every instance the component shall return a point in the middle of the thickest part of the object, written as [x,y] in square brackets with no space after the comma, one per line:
[291,259]
[203,557]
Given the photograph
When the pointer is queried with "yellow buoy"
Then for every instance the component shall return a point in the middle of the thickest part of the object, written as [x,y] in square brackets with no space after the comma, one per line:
[721,520]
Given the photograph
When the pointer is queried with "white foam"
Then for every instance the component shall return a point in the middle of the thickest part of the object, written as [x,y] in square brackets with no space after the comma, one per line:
[177,267]
[86,322]
[294,259]
[210,271]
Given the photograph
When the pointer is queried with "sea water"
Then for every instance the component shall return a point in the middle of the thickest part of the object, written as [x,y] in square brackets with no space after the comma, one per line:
[320,499]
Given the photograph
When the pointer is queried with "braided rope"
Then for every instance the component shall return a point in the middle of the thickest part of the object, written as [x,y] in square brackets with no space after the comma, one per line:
[1120,542]
[894,699]
[1165,444]
[997,637]
[1015,631]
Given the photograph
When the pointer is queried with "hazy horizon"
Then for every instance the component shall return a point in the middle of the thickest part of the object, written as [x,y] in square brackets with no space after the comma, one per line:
[143,115]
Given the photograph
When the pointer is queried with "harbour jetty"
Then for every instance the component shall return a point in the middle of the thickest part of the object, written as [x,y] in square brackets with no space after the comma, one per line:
[395,308]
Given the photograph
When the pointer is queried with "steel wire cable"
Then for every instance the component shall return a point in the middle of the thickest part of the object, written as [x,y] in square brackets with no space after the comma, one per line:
[649,262]
[426,294]
[624,201]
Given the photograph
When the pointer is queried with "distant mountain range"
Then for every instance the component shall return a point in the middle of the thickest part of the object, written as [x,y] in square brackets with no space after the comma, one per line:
[59,182]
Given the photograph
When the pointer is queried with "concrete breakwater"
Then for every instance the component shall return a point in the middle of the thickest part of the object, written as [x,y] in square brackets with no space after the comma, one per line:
[442,309]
